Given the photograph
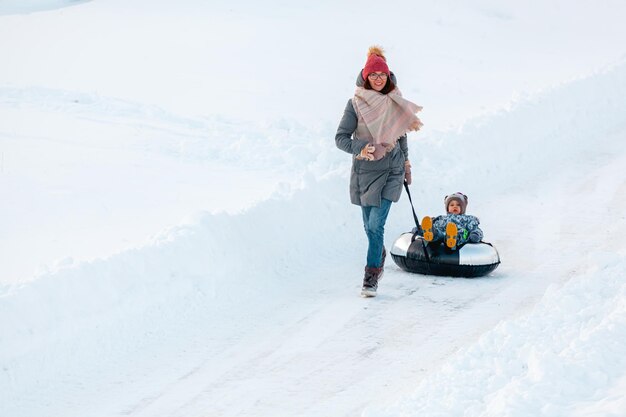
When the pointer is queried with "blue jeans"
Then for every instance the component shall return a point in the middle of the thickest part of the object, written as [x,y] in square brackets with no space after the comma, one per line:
[374,219]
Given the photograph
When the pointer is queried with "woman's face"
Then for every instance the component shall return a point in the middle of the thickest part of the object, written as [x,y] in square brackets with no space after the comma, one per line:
[377,80]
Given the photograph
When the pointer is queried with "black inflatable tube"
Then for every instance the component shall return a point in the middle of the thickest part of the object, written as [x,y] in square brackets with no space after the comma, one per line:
[428,268]
[413,254]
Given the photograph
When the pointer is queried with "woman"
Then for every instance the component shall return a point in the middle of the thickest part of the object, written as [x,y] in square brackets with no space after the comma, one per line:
[373,129]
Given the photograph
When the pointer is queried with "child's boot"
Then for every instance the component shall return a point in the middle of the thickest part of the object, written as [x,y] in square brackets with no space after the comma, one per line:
[451,235]
[427,229]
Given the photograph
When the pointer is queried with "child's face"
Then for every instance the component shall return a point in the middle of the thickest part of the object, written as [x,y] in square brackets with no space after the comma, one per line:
[454,207]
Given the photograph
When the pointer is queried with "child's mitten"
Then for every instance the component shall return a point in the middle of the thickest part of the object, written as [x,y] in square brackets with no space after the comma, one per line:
[475,236]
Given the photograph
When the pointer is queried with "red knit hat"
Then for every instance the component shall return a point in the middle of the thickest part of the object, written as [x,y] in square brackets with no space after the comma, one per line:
[376,62]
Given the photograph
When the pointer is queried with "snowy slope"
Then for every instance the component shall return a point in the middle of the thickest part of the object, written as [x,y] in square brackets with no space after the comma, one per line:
[204,121]
[256,313]
[32,6]
[110,132]
[249,60]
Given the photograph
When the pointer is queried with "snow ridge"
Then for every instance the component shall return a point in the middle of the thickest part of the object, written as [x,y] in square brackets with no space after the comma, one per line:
[205,140]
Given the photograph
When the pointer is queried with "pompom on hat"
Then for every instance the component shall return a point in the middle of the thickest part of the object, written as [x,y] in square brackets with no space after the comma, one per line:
[376,62]
[459,197]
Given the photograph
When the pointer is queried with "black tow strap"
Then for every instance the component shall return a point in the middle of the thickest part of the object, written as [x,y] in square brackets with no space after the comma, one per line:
[417,223]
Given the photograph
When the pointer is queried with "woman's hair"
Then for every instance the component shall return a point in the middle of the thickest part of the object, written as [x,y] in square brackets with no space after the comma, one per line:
[389,87]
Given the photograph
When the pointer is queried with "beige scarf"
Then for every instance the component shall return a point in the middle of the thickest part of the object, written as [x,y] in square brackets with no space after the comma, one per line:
[384,118]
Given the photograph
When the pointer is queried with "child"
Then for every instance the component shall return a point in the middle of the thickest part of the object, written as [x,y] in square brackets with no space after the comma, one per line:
[455,228]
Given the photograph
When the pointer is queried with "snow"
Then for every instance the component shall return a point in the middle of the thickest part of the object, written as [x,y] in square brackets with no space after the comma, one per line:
[173,244]
[8,7]
[563,359]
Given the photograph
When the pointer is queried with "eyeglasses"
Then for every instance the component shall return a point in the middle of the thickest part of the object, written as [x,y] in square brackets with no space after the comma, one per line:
[374,76]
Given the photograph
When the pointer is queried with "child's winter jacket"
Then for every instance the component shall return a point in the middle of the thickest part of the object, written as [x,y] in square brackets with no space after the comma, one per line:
[467,227]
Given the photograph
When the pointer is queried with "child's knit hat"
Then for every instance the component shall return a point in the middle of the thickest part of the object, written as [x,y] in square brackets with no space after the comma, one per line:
[458,196]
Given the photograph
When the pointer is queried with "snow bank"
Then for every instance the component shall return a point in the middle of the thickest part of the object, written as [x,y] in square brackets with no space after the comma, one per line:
[280,144]
[532,140]
[122,171]
[207,284]
[565,358]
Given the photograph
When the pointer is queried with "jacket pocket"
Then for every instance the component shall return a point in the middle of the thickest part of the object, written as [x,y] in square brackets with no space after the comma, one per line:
[371,166]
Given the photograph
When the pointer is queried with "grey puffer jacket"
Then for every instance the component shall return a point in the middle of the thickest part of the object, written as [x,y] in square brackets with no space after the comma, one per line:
[371,181]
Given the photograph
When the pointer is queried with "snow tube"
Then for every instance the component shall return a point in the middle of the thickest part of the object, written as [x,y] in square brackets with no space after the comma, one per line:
[413,254]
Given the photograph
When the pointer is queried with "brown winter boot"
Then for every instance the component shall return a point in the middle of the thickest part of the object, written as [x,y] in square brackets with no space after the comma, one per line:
[370,281]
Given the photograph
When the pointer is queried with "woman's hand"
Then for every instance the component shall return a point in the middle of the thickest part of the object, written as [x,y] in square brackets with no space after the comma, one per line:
[367,153]
[407,172]
[416,125]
